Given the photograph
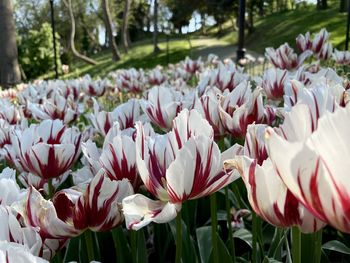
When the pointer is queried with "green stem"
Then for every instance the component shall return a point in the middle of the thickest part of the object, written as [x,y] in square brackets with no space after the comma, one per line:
[318,246]
[133,241]
[255,236]
[230,232]
[51,189]
[178,237]
[221,143]
[115,235]
[296,245]
[89,245]
[214,224]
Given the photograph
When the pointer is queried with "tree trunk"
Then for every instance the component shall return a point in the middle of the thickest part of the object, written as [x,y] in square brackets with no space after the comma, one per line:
[261,8]
[343,6]
[324,4]
[108,24]
[251,18]
[155,27]
[9,69]
[125,26]
[68,4]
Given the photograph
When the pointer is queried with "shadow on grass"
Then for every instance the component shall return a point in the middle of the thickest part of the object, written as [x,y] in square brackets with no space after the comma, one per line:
[106,64]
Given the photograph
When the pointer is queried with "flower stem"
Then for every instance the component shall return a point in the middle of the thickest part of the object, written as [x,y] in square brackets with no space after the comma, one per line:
[133,241]
[296,245]
[214,224]
[230,232]
[318,245]
[89,245]
[255,236]
[50,188]
[178,237]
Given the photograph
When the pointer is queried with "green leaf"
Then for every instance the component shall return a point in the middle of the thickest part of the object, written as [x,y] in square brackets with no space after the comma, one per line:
[244,235]
[121,245]
[188,247]
[224,254]
[270,260]
[141,247]
[204,243]
[276,243]
[337,246]
[288,254]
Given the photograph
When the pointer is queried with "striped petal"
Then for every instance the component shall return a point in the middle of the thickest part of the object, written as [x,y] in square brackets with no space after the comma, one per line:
[315,170]
[139,211]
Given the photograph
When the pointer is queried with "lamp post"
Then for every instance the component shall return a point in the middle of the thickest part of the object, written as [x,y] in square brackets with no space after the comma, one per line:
[347,28]
[54,37]
[241,23]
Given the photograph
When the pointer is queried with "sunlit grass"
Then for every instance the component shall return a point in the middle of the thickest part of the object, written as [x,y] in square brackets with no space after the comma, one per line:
[140,56]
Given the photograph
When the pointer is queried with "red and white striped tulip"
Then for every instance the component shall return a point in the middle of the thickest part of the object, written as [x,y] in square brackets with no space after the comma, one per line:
[9,112]
[161,106]
[55,107]
[285,58]
[192,66]
[225,76]
[314,168]
[208,106]
[241,107]
[117,157]
[5,138]
[13,253]
[318,96]
[11,230]
[341,57]
[273,83]
[95,206]
[320,40]
[267,194]
[156,77]
[47,150]
[130,80]
[127,114]
[181,165]
[39,183]
[326,51]
[101,120]
[304,42]
[10,191]
[94,88]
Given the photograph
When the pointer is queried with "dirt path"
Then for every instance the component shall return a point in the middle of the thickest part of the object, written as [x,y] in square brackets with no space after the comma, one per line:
[222,51]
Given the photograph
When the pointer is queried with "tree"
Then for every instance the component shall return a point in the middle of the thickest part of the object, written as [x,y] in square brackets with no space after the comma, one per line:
[343,5]
[125,25]
[155,27]
[68,4]
[321,4]
[9,68]
[36,54]
[109,29]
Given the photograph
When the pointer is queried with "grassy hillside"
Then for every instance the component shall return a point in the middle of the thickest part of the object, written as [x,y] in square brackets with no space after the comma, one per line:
[140,56]
[276,29]
[272,30]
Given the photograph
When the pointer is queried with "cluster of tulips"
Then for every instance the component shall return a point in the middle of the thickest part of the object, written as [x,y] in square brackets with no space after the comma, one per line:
[86,162]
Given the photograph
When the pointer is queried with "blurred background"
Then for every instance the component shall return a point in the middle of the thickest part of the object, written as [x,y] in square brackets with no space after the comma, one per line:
[97,36]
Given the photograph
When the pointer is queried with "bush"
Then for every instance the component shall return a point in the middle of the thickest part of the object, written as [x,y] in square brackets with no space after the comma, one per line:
[36,53]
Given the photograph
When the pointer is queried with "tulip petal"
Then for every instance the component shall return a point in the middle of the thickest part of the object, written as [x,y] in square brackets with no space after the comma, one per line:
[196,171]
[140,211]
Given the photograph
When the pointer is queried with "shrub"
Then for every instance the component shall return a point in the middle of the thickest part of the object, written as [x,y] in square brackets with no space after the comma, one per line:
[36,54]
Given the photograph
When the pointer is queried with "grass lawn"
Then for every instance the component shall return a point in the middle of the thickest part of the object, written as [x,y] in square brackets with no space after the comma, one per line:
[276,29]
[140,56]
[272,30]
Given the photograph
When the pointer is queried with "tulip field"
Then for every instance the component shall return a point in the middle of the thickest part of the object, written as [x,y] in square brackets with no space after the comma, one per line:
[194,162]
